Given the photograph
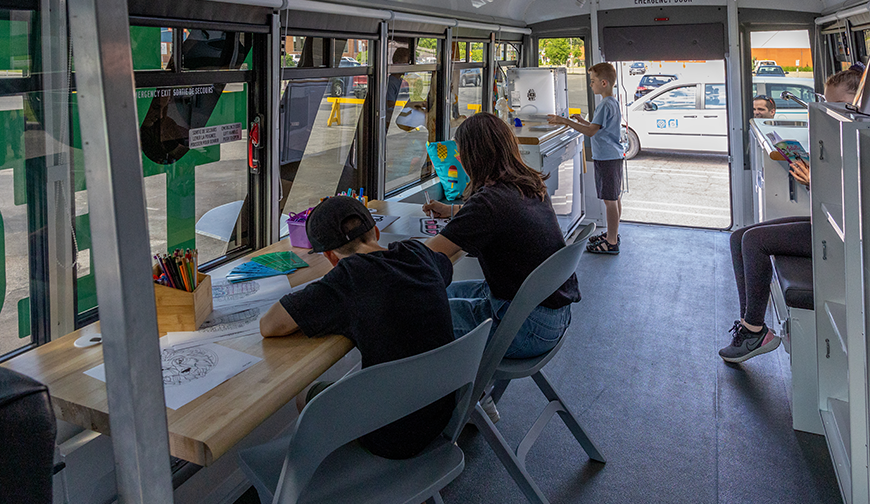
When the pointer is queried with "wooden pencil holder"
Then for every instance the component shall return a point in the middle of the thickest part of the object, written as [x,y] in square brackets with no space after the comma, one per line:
[179,310]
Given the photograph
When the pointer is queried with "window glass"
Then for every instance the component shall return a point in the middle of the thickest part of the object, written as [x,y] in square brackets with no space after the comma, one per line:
[426,49]
[38,207]
[410,124]
[16,111]
[714,96]
[215,50]
[317,135]
[805,93]
[460,51]
[15,32]
[148,44]
[568,53]
[679,98]
[358,50]
[477,51]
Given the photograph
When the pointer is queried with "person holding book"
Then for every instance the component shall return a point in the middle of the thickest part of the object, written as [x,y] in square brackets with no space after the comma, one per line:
[391,302]
[752,246]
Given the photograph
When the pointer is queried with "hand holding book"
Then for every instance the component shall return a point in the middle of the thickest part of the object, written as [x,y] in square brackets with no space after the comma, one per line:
[800,170]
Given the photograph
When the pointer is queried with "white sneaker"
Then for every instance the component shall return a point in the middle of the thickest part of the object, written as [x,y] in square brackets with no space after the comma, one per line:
[488,406]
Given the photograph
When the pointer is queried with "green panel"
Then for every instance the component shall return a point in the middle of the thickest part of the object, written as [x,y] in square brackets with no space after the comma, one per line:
[12,150]
[83,231]
[145,43]
[181,203]
[78,156]
[24,318]
[14,54]
[87,291]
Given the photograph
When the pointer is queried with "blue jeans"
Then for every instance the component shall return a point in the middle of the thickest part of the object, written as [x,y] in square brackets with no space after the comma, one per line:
[471,303]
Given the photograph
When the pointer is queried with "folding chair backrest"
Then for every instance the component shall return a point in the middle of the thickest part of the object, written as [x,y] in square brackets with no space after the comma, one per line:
[374,397]
[538,286]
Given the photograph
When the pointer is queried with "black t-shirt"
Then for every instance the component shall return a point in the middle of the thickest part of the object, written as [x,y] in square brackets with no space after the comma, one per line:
[392,304]
[511,235]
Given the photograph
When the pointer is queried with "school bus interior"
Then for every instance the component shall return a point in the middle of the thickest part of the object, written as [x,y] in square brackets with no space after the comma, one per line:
[129,129]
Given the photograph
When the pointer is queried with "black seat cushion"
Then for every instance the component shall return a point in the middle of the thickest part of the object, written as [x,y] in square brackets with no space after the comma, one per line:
[795,275]
[28,430]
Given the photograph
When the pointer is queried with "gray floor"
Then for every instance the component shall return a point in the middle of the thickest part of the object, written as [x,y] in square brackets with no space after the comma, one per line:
[640,368]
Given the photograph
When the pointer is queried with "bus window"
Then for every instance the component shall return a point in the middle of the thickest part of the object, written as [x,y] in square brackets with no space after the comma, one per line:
[466,87]
[411,111]
[319,120]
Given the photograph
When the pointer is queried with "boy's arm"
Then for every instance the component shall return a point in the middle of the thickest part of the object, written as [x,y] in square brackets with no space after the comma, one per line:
[587,129]
[277,322]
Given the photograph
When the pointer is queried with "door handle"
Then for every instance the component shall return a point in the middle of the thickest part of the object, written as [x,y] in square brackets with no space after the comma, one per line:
[710,117]
[689,117]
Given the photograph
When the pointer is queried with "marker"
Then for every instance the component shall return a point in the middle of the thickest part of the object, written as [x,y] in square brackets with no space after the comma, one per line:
[428,200]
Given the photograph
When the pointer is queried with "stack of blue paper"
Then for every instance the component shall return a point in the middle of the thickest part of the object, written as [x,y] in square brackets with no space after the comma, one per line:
[252,271]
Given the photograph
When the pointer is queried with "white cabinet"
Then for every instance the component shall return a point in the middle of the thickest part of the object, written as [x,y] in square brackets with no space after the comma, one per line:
[558,153]
[840,199]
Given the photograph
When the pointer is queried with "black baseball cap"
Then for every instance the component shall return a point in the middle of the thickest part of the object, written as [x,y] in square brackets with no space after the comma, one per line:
[323,226]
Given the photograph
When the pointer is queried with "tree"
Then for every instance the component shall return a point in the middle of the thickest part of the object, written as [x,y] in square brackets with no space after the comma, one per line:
[555,51]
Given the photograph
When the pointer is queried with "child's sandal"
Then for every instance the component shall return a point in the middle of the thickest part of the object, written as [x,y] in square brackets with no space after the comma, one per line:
[603,236]
[602,247]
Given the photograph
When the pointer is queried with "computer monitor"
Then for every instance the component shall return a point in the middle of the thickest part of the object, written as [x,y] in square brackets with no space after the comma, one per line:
[536,92]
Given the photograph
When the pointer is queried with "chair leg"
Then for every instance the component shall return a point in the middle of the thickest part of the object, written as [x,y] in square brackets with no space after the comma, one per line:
[498,390]
[435,499]
[507,457]
[568,417]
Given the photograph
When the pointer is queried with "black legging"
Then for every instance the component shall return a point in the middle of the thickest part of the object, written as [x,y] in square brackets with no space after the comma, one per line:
[751,248]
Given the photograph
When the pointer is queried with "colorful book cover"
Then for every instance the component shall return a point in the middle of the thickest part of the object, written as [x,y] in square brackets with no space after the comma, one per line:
[791,150]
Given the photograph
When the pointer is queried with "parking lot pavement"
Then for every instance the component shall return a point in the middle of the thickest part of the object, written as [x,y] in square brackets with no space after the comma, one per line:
[678,188]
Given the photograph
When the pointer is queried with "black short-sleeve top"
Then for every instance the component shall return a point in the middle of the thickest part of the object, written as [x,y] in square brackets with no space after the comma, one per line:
[392,304]
[511,235]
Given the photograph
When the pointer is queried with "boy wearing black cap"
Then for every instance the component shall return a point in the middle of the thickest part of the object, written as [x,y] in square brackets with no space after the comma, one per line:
[392,303]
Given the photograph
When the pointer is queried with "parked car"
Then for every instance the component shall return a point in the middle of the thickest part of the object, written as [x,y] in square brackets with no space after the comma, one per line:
[339,86]
[770,71]
[649,82]
[774,86]
[469,77]
[637,68]
[693,116]
[759,63]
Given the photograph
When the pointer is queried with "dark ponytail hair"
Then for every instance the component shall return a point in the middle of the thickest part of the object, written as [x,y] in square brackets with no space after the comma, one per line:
[489,153]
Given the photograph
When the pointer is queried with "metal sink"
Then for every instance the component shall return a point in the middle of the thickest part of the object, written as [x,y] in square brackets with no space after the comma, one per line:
[791,124]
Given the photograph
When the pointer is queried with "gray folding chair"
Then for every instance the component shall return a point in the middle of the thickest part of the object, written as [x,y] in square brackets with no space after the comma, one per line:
[320,462]
[498,371]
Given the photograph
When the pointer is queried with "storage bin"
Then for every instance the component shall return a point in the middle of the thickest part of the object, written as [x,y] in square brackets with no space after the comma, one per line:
[179,310]
[298,236]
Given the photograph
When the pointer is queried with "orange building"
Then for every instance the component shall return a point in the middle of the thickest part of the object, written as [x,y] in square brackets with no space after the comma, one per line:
[796,57]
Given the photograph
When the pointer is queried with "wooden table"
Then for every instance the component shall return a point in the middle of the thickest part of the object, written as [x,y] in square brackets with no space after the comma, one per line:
[204,429]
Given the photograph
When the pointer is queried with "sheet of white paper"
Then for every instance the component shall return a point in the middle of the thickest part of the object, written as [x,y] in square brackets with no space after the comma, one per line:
[191,372]
[382,221]
[229,321]
[255,291]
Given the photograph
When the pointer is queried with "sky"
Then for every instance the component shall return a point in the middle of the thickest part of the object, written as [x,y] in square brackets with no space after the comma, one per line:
[798,39]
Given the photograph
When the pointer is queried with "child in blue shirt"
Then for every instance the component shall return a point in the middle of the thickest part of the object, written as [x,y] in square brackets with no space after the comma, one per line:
[607,154]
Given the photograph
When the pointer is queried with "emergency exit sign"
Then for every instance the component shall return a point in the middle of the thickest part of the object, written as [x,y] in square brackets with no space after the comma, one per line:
[214,135]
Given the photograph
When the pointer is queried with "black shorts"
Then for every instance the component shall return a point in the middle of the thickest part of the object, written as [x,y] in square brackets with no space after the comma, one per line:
[608,179]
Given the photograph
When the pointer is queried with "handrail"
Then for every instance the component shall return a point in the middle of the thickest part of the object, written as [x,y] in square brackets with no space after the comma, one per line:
[788,95]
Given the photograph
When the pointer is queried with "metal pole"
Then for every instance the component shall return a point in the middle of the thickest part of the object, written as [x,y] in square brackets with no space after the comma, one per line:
[741,203]
[119,225]
[380,85]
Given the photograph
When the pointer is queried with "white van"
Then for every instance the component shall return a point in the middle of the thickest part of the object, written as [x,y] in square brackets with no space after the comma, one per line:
[692,116]
[759,63]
